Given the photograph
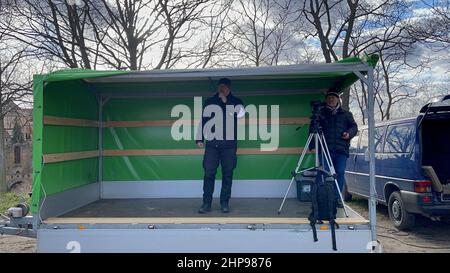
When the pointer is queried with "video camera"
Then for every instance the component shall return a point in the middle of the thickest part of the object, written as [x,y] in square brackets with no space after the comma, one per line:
[316,117]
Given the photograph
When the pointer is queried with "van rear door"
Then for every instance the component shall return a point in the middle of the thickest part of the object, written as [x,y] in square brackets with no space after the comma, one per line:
[435,147]
[436,107]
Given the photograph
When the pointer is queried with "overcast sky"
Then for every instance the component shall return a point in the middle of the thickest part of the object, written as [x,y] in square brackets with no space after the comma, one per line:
[436,73]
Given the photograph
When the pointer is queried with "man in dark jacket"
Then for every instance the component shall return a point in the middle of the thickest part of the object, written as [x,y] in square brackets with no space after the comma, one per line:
[339,127]
[221,143]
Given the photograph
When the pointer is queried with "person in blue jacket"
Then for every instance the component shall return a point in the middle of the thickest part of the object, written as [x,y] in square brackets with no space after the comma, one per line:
[221,147]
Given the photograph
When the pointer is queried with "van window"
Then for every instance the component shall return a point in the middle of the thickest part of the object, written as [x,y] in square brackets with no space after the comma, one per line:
[354,144]
[399,139]
[379,132]
[364,144]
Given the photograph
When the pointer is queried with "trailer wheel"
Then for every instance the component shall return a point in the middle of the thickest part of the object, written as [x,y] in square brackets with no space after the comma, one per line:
[346,195]
[399,216]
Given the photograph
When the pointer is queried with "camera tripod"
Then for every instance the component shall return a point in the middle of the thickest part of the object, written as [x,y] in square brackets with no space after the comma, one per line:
[319,138]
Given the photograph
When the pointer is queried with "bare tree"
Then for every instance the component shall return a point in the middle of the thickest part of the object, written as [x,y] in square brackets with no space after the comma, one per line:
[132,31]
[392,42]
[180,18]
[13,86]
[211,49]
[436,27]
[260,30]
[432,29]
[56,29]
[389,93]
[351,27]
[128,30]
[282,40]
[393,82]
[122,34]
[428,91]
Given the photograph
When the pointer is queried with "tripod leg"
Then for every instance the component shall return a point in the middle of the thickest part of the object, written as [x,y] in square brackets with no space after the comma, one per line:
[333,235]
[313,226]
[300,161]
[285,195]
[308,169]
[326,153]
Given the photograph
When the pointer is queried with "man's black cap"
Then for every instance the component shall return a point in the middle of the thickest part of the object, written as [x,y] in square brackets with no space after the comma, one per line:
[332,93]
[225,81]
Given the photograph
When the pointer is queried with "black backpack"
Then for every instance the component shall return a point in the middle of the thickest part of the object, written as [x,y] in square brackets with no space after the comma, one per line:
[323,205]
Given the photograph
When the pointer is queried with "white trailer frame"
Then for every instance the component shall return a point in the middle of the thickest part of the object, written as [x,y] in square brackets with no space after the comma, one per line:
[96,237]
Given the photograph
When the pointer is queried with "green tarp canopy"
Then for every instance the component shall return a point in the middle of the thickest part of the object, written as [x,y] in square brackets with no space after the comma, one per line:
[114,126]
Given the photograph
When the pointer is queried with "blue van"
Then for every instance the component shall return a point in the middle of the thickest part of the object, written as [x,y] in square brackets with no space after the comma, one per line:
[412,159]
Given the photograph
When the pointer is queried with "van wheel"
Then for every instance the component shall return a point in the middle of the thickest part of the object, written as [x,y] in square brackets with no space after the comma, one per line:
[401,218]
[346,195]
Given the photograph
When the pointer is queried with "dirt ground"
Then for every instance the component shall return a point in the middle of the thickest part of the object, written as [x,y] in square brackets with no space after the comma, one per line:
[427,236]
[16,244]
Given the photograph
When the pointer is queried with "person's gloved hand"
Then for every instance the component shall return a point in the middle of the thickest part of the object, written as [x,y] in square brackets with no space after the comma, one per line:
[223,97]
[345,135]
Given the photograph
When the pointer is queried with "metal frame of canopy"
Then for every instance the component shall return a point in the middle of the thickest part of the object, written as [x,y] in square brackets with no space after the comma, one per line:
[295,71]
[291,71]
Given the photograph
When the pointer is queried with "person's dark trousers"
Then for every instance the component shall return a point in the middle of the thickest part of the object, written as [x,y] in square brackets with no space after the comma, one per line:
[227,158]
[339,163]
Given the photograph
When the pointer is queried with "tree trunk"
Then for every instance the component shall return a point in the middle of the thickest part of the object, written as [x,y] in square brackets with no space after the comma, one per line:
[345,48]
[3,186]
[346,99]
[133,51]
[387,81]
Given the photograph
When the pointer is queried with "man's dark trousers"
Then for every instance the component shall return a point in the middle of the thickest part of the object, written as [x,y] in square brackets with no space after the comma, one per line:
[339,163]
[227,158]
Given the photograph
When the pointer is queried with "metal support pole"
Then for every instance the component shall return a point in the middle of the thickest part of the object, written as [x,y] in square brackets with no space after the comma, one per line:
[371,123]
[316,146]
[100,144]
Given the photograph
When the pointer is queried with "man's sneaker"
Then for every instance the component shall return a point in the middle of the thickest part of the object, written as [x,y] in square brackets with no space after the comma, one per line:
[204,208]
[224,208]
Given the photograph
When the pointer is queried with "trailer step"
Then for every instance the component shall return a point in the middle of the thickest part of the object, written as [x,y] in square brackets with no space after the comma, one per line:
[193,220]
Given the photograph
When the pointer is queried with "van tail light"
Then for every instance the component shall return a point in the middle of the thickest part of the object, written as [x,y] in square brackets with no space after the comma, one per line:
[422,186]
[426,199]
